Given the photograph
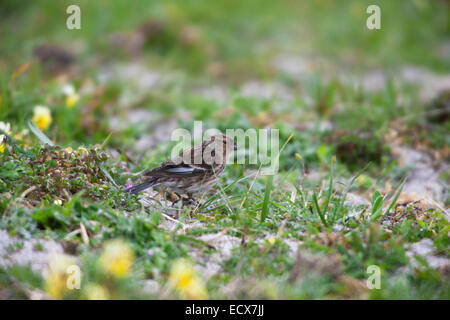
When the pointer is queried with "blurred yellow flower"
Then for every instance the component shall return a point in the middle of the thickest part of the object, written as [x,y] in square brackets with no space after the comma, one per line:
[71,96]
[5,127]
[117,258]
[56,284]
[364,181]
[333,159]
[72,100]
[186,281]
[42,117]
[95,292]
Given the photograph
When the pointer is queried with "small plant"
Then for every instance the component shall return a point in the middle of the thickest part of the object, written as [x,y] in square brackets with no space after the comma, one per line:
[377,203]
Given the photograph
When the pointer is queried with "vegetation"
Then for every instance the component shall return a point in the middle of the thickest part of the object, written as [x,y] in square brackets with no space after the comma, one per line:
[83,112]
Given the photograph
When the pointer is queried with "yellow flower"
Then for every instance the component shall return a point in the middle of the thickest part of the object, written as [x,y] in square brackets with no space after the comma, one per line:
[72,100]
[364,181]
[5,127]
[71,96]
[56,284]
[186,281]
[21,135]
[96,292]
[42,117]
[117,258]
[334,159]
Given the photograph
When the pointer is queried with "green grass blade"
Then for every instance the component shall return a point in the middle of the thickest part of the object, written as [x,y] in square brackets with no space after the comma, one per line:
[217,195]
[394,200]
[107,175]
[377,203]
[265,207]
[319,212]
[39,134]
[347,188]
[106,141]
[329,191]
[397,194]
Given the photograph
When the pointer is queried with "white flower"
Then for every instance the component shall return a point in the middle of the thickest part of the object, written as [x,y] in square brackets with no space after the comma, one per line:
[72,97]
[5,127]
[68,89]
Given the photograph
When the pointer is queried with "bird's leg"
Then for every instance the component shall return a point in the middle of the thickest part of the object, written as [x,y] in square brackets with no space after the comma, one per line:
[173,197]
[190,199]
[180,198]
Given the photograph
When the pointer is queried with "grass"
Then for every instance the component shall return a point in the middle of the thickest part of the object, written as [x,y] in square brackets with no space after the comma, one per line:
[294,235]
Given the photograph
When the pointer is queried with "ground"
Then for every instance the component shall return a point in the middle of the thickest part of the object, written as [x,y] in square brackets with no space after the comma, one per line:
[363,179]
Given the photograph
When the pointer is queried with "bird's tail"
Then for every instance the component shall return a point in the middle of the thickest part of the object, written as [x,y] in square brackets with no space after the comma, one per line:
[140,187]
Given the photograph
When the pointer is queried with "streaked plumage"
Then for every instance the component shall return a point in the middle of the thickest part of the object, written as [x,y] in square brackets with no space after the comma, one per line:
[194,170]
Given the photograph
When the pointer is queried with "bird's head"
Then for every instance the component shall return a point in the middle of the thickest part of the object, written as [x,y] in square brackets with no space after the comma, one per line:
[218,148]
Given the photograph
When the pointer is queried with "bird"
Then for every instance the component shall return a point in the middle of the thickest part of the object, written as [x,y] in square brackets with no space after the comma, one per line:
[194,170]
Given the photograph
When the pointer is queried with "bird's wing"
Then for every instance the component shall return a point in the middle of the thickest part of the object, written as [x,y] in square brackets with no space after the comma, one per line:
[183,165]
[188,170]
[173,170]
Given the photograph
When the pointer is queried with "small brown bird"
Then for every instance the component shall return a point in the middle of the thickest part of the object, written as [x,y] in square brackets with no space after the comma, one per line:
[194,170]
